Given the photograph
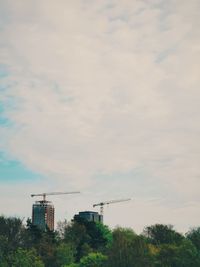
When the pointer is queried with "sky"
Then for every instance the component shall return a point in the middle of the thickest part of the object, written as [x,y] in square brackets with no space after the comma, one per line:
[101,97]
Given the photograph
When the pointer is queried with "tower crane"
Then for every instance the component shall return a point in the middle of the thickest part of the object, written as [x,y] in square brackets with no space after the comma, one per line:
[101,204]
[53,193]
[43,210]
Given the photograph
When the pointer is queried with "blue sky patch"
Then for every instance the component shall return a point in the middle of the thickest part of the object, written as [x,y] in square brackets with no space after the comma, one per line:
[3,71]
[14,171]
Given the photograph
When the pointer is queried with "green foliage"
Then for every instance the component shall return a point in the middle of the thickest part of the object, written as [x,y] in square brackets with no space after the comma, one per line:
[104,233]
[97,235]
[64,254]
[26,258]
[32,235]
[184,255]
[89,244]
[167,256]
[128,250]
[93,260]
[11,230]
[84,250]
[194,236]
[44,241]
[4,245]
[87,237]
[188,255]
[72,265]
[162,234]
[76,234]
[46,248]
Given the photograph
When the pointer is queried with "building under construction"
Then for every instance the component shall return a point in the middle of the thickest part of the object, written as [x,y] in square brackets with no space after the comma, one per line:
[43,215]
[43,210]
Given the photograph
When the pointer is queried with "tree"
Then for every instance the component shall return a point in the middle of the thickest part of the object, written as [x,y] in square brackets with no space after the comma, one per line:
[162,234]
[32,235]
[4,251]
[128,250]
[188,255]
[98,234]
[43,241]
[93,260]
[167,256]
[194,236]
[172,255]
[87,237]
[64,254]
[76,234]
[11,229]
[88,244]
[120,248]
[72,265]
[46,248]
[25,258]
[61,227]
[105,234]
[140,253]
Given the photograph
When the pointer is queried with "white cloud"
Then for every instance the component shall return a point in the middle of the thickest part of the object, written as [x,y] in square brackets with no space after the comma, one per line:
[104,87]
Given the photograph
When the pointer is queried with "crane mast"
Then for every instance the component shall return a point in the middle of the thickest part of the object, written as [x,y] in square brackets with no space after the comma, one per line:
[101,204]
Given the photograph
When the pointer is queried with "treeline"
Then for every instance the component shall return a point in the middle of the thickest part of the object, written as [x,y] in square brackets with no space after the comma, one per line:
[88,244]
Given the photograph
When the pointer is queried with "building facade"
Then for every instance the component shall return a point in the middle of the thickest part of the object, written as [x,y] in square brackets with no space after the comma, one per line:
[90,216]
[43,215]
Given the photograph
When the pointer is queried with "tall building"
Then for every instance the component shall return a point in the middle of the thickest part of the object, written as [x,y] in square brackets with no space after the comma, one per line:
[90,216]
[43,215]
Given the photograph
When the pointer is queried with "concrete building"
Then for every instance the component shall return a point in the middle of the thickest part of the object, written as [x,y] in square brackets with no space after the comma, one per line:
[90,216]
[43,214]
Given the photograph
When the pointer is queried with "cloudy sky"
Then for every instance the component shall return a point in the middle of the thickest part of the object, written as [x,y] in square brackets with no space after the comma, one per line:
[101,97]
